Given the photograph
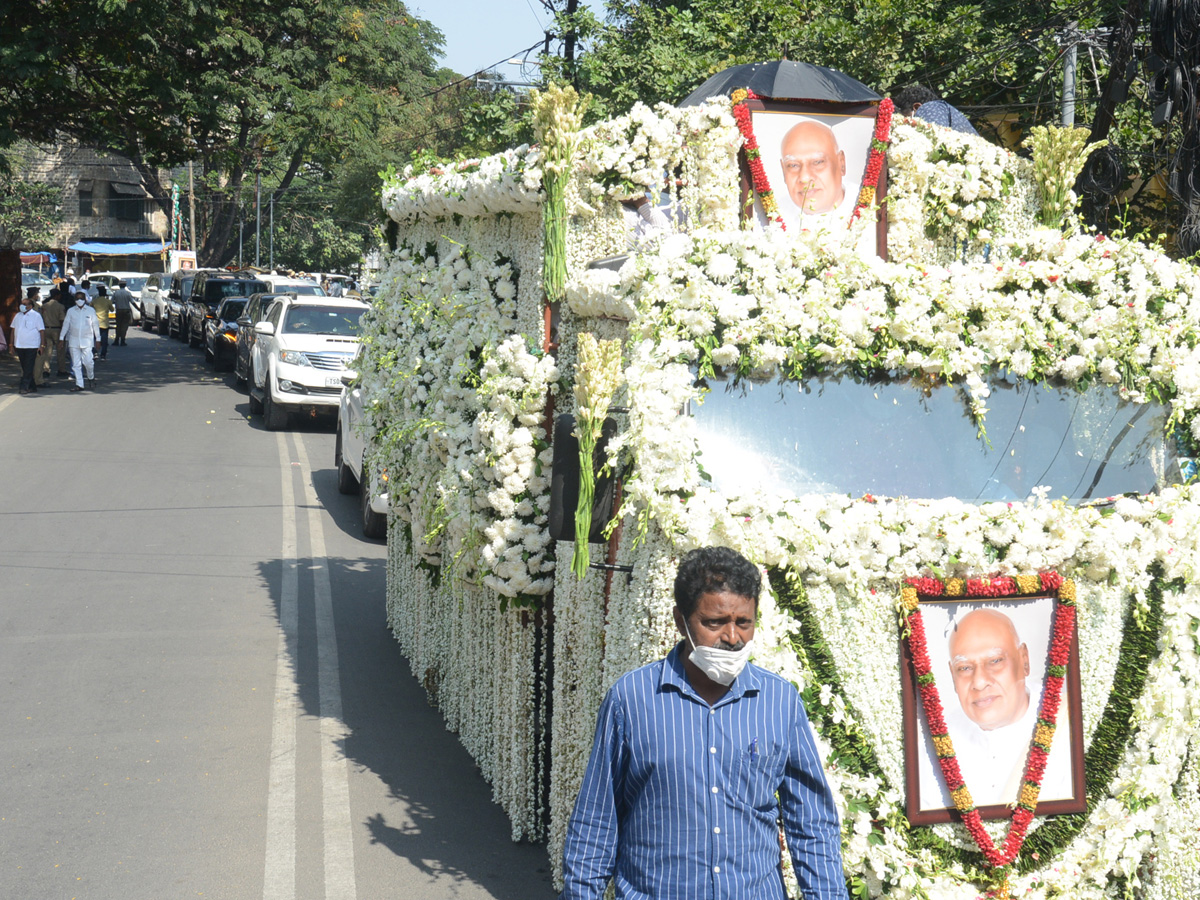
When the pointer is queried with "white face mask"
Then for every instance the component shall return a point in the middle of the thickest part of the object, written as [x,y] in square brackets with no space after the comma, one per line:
[79,303]
[722,666]
[24,307]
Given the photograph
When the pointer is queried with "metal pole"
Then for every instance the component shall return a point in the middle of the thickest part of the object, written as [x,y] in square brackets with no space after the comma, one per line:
[192,204]
[257,211]
[271,240]
[1069,60]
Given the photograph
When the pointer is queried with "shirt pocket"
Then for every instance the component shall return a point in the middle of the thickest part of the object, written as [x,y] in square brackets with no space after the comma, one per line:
[758,776]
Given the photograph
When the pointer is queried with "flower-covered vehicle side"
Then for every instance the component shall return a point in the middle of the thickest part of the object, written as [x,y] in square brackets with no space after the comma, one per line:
[464,365]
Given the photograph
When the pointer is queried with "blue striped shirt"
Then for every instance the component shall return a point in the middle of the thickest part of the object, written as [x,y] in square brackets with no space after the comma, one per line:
[679,798]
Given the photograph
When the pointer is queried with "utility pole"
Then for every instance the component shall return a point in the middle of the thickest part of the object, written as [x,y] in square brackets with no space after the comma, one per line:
[1069,62]
[257,210]
[271,238]
[192,205]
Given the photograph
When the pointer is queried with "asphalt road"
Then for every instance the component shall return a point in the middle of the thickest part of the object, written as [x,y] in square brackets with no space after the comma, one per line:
[198,693]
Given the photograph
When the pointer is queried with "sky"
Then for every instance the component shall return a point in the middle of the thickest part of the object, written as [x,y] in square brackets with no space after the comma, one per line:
[481,33]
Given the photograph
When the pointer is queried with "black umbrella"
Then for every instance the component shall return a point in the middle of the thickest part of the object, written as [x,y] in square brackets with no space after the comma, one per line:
[784,79]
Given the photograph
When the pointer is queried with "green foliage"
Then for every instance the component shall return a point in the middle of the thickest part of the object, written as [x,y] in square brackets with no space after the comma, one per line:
[29,210]
[286,87]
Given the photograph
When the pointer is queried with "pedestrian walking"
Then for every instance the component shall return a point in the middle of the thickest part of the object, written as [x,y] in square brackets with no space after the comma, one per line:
[122,301]
[102,304]
[28,337]
[81,335]
[696,757]
[53,313]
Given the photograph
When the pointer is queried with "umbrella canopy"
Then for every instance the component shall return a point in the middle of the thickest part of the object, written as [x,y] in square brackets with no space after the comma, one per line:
[784,79]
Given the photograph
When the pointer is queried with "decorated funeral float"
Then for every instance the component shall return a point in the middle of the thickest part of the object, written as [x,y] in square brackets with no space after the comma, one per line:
[909,385]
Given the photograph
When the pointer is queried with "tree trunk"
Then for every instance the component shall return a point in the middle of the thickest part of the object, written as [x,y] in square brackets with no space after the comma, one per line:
[10,288]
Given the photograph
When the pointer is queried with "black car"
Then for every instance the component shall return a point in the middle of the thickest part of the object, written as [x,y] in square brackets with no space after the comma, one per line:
[208,290]
[221,333]
[177,294]
[255,312]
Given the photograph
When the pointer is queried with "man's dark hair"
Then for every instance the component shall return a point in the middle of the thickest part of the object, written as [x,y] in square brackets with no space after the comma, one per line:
[711,570]
[121,283]
[101,290]
[913,95]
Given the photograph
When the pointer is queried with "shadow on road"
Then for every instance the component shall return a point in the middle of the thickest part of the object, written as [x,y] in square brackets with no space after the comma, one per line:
[449,827]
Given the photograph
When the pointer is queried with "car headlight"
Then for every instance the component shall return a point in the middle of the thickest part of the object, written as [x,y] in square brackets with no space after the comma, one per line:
[294,357]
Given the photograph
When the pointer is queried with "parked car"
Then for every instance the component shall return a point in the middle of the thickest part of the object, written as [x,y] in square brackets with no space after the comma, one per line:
[208,290]
[300,352]
[134,283]
[350,459]
[295,285]
[34,278]
[177,294]
[256,311]
[221,332]
[154,302]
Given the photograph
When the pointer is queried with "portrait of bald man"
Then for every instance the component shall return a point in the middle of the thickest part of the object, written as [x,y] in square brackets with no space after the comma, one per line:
[993,714]
[814,167]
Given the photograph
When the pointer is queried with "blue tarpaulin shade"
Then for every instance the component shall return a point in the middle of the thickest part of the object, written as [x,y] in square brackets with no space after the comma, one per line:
[130,248]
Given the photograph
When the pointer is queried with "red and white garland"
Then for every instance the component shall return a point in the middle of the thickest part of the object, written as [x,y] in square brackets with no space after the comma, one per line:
[758,174]
[1039,749]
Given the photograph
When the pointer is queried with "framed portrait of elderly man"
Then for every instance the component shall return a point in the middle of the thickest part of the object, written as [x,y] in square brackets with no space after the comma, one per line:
[814,157]
[989,659]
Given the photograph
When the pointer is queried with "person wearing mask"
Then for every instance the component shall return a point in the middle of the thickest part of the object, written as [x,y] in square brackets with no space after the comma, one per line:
[28,338]
[122,301]
[696,758]
[81,334]
[54,311]
[102,304]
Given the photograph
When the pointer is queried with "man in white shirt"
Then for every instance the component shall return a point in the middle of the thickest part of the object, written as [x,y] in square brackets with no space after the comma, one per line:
[80,335]
[28,339]
[990,664]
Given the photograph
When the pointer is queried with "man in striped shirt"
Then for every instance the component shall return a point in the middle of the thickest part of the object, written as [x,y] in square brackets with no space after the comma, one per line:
[695,759]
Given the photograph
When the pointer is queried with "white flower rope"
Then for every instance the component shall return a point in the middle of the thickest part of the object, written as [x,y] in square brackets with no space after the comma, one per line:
[973,284]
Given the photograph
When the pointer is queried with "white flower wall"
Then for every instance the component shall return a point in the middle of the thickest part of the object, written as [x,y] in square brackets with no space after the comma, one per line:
[458,388]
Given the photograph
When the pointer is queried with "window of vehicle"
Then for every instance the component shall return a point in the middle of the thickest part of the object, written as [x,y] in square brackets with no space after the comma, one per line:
[274,313]
[903,437]
[307,290]
[230,310]
[135,284]
[217,290]
[338,320]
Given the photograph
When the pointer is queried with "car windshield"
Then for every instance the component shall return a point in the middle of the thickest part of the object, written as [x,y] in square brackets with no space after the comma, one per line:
[135,284]
[899,436]
[307,290]
[185,287]
[339,320]
[231,310]
[216,291]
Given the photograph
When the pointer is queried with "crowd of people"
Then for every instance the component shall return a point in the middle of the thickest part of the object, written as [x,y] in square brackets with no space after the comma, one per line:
[71,324]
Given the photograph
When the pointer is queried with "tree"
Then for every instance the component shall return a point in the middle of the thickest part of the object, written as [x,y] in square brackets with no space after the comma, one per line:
[28,213]
[242,87]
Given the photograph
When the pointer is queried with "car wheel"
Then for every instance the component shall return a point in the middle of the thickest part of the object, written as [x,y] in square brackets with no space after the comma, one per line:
[147,325]
[374,525]
[346,482]
[208,356]
[192,340]
[238,376]
[161,323]
[274,417]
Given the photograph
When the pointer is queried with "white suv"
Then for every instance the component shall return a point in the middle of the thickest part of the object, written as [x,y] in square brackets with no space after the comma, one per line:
[300,351]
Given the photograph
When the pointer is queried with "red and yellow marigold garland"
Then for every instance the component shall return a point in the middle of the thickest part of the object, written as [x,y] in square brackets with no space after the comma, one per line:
[758,175]
[1039,749]
[876,158]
